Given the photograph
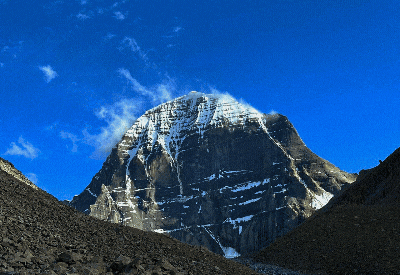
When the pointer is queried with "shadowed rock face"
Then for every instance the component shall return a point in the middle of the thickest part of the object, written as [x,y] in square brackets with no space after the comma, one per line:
[376,186]
[357,232]
[210,171]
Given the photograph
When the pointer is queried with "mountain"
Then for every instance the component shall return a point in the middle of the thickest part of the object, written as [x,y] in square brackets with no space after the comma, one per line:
[40,235]
[357,232]
[214,172]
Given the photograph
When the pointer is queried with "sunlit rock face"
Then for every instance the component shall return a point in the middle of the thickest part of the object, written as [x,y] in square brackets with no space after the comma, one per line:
[211,171]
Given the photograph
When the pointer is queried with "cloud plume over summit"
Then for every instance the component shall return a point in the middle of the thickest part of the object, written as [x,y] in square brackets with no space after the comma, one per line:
[119,117]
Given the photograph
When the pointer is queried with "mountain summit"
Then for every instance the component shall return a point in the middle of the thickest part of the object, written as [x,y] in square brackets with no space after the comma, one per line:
[211,171]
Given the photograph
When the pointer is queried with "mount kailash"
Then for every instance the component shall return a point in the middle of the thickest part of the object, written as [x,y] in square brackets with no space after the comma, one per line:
[211,171]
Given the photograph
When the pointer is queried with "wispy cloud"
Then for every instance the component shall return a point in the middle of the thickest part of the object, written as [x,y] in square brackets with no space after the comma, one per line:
[119,15]
[177,29]
[131,43]
[174,34]
[13,49]
[22,148]
[109,36]
[49,73]
[273,112]
[158,94]
[83,16]
[119,118]
[74,139]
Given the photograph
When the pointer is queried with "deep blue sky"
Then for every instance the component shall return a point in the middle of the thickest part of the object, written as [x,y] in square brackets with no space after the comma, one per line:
[75,74]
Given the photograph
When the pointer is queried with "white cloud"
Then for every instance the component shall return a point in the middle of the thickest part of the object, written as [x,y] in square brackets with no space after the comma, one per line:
[177,29]
[119,15]
[74,139]
[174,34]
[158,94]
[82,16]
[133,45]
[273,112]
[136,86]
[52,127]
[109,36]
[23,148]
[119,118]
[32,177]
[49,73]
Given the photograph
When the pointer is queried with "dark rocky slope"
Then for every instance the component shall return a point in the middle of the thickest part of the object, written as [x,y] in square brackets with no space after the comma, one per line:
[376,186]
[9,168]
[211,171]
[357,232]
[40,235]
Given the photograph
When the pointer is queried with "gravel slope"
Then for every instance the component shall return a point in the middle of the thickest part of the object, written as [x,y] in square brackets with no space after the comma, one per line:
[40,235]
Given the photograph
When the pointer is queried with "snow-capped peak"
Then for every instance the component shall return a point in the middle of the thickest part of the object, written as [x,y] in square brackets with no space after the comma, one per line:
[197,109]
[170,123]
[192,112]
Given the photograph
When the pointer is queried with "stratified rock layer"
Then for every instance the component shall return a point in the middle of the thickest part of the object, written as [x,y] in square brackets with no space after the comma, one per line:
[211,171]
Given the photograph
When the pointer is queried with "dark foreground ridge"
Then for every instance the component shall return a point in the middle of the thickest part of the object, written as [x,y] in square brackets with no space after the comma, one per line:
[40,235]
[357,232]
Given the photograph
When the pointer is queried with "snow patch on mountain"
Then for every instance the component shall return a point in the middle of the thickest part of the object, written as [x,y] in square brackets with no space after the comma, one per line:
[319,201]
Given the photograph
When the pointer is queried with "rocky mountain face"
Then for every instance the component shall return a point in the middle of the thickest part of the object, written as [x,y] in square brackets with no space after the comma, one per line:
[40,235]
[357,232]
[214,172]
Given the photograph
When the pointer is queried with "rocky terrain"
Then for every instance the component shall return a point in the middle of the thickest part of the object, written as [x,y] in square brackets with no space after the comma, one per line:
[358,232]
[9,168]
[214,172]
[40,235]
